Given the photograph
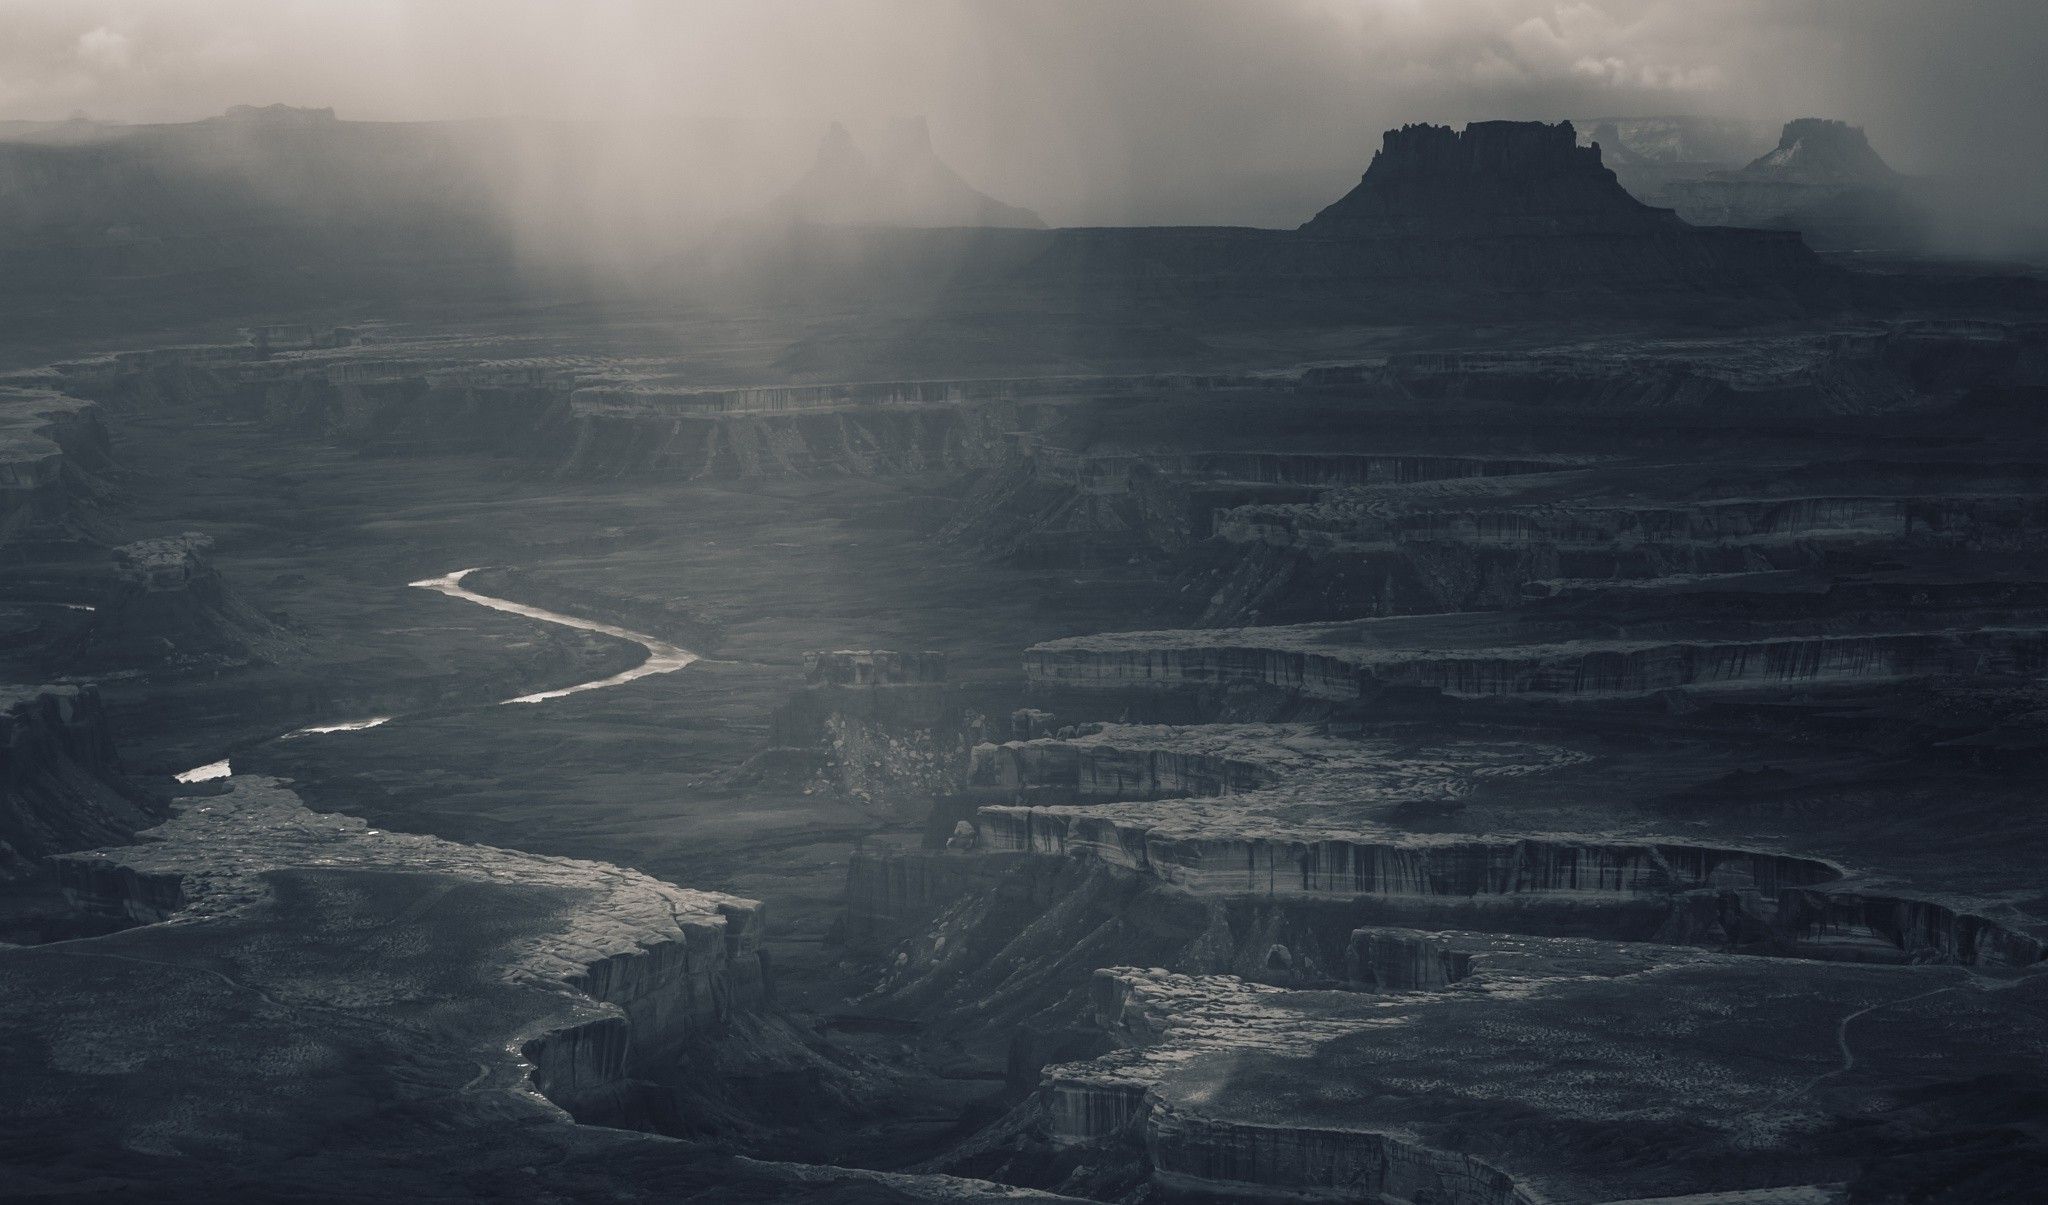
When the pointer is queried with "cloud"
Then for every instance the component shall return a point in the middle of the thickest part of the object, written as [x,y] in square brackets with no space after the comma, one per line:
[1142,110]
[103,49]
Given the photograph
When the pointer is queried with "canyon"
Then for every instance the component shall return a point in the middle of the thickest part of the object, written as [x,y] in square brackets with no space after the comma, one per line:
[1492,759]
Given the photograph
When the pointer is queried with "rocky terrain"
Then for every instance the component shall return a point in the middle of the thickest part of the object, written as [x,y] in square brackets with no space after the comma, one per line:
[395,982]
[63,786]
[1248,848]
[1586,758]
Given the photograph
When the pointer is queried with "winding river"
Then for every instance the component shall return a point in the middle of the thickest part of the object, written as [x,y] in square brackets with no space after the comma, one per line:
[662,658]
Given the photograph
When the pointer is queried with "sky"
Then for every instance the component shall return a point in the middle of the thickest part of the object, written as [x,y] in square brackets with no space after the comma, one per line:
[1095,112]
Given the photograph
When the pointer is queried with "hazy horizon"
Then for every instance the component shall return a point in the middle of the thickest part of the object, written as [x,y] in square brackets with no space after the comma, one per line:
[1085,113]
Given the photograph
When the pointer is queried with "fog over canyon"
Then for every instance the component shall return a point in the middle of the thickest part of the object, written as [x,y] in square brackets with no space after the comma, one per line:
[867,602]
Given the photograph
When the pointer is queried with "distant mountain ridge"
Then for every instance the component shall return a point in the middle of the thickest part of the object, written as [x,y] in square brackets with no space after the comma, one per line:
[1823,179]
[904,183]
[1674,141]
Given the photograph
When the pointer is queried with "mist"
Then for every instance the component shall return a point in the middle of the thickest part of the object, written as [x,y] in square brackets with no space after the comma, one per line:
[889,602]
[1138,113]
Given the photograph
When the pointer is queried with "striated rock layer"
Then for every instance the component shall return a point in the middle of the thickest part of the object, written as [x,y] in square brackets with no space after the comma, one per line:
[1349,663]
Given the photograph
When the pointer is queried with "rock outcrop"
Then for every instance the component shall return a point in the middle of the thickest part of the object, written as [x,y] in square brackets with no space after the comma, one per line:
[653,965]
[1492,179]
[54,449]
[60,785]
[169,609]
[876,727]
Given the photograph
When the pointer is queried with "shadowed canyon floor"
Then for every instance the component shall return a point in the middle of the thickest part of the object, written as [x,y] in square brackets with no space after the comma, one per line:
[1483,767]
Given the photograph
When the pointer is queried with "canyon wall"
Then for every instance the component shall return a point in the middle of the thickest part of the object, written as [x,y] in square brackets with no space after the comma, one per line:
[1323,663]
[54,453]
[650,969]
[60,784]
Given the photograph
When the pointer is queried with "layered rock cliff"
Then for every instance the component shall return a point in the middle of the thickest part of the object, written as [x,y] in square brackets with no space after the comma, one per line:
[652,966]
[1354,663]
[60,784]
[54,451]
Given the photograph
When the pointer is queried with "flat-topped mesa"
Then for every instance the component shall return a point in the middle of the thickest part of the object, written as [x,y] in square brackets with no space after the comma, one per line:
[167,563]
[1818,150]
[1491,178]
[168,607]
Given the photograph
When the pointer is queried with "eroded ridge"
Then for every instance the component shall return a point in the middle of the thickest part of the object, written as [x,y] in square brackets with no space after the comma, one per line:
[650,963]
[489,994]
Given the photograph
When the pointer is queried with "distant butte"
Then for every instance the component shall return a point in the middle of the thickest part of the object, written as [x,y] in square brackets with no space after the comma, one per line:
[1494,177]
[1817,150]
[904,184]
